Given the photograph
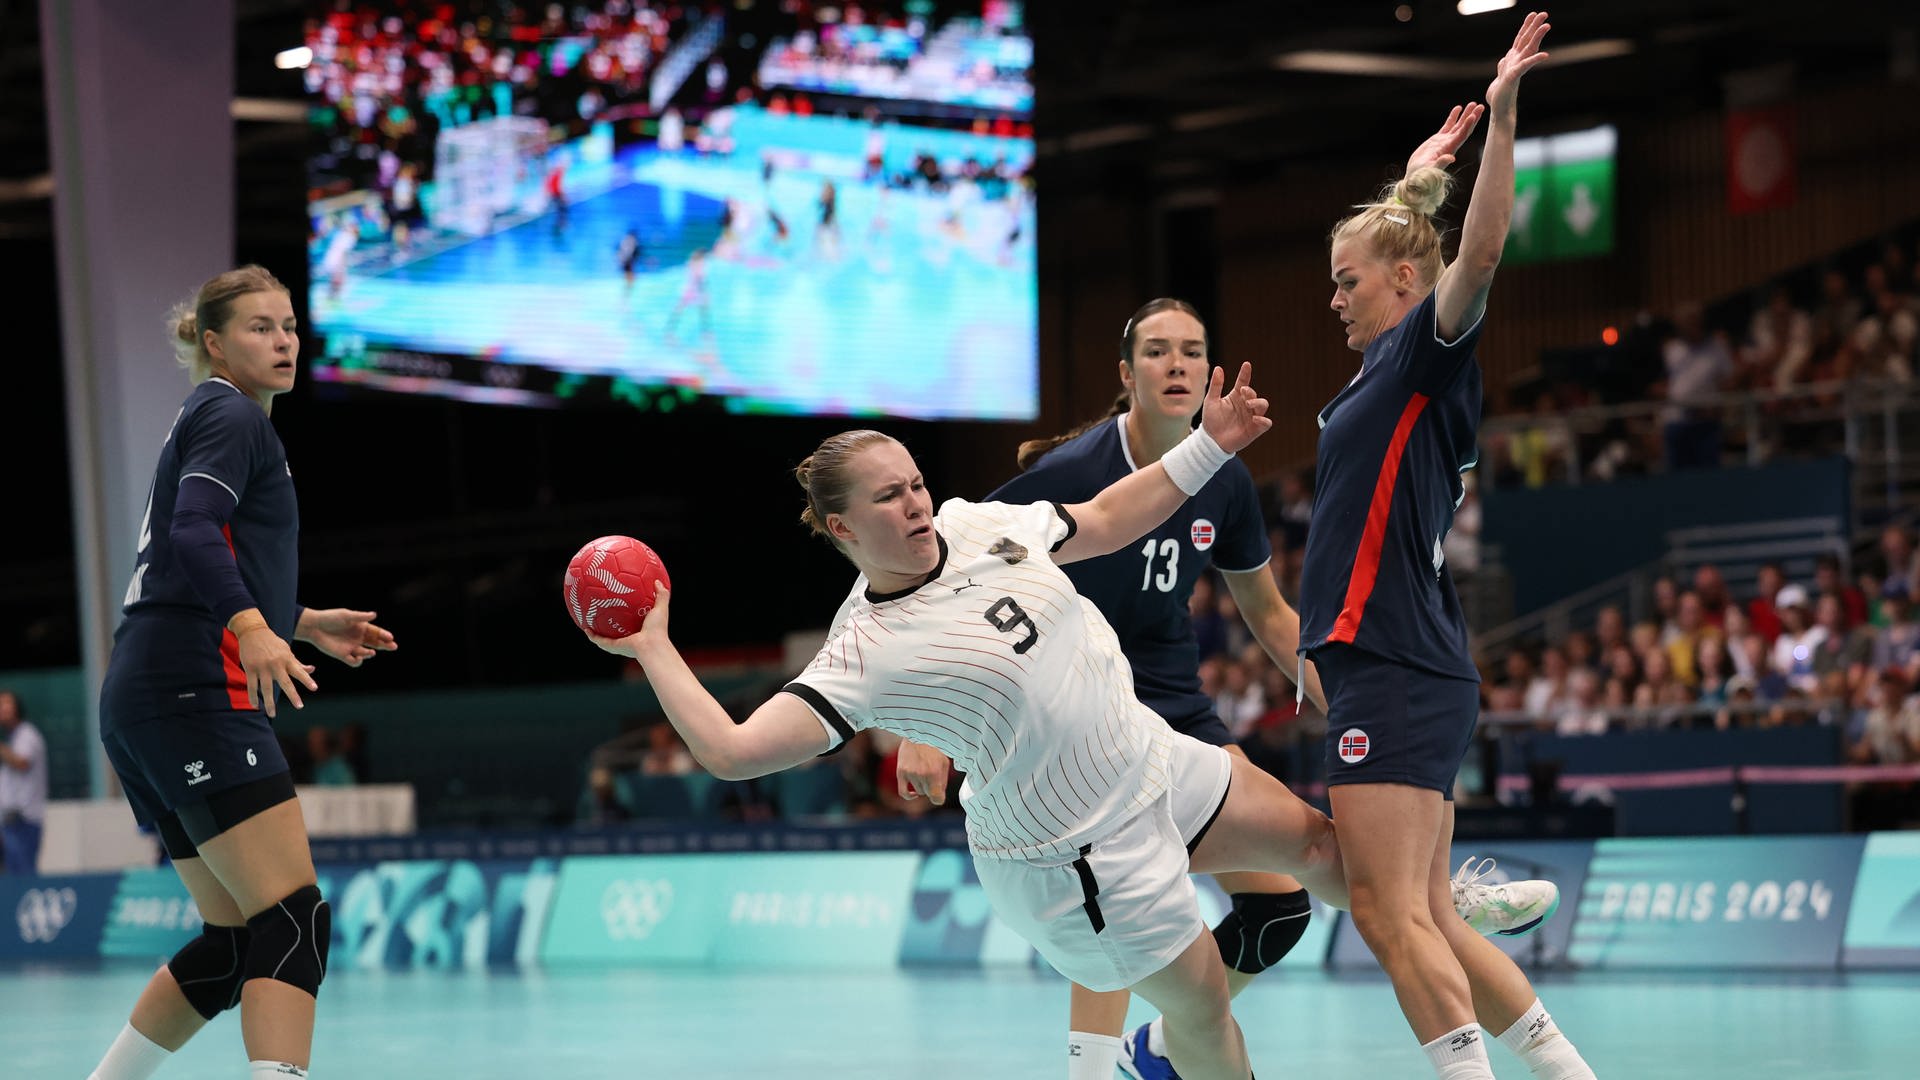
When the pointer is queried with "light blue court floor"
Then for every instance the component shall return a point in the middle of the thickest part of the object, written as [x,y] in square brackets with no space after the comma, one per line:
[54,1023]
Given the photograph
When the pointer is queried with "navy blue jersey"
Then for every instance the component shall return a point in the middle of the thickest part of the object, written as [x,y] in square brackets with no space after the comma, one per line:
[1392,447]
[171,652]
[1143,588]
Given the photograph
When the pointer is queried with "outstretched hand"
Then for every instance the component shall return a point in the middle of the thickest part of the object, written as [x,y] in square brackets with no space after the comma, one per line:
[1503,93]
[1239,416]
[346,635]
[1442,145]
[652,628]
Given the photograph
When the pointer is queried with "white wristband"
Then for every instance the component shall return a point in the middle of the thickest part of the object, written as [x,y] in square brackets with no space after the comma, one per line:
[1191,464]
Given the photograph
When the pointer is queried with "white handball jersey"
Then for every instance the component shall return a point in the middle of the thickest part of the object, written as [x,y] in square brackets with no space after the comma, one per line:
[998,663]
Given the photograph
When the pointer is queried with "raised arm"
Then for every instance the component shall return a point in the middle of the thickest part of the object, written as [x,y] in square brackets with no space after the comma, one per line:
[1131,506]
[780,734]
[1462,292]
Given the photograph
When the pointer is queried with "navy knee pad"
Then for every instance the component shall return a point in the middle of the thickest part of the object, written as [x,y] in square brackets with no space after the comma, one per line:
[1262,928]
[291,939]
[212,968]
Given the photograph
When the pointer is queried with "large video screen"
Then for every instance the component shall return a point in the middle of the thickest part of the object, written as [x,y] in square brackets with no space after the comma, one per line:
[762,206]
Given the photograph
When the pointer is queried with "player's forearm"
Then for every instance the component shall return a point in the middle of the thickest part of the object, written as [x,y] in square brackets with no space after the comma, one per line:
[707,729]
[1129,508]
[1278,632]
[1483,236]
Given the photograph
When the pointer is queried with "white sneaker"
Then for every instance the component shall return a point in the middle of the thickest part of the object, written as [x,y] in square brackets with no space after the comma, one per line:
[1510,909]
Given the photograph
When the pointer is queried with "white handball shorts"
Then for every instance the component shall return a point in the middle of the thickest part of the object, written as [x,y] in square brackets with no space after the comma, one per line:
[1125,908]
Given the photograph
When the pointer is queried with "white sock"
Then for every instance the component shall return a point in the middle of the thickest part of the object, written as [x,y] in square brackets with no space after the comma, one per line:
[1091,1057]
[1157,1037]
[274,1070]
[1460,1054]
[1536,1040]
[132,1056]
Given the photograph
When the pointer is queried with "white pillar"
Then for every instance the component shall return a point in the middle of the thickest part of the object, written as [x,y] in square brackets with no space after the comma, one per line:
[138,100]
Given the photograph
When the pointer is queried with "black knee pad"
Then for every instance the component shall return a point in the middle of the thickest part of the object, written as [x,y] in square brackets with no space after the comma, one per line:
[1262,928]
[291,939]
[212,968]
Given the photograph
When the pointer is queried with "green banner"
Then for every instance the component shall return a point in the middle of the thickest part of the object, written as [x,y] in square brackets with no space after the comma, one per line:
[1563,206]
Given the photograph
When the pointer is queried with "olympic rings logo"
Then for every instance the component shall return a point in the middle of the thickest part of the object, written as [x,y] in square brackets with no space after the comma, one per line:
[633,909]
[43,913]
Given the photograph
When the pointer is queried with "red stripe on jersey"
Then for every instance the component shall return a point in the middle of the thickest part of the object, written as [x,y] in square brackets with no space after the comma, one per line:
[230,649]
[1366,564]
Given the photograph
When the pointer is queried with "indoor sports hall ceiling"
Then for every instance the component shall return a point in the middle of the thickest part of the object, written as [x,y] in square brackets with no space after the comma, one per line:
[1162,96]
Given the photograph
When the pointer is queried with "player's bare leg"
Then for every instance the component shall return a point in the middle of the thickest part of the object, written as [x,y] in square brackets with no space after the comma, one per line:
[164,1019]
[1203,1041]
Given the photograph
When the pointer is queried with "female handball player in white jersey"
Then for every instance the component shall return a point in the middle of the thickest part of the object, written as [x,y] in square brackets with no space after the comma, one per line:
[1378,612]
[1085,812]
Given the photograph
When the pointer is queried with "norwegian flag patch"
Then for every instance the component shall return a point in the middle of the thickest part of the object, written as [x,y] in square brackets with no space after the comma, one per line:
[1353,746]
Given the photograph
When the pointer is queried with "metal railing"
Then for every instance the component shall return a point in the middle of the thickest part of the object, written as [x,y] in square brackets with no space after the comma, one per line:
[1863,416]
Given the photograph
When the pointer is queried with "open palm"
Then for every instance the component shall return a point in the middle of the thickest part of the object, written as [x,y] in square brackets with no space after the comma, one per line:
[1503,93]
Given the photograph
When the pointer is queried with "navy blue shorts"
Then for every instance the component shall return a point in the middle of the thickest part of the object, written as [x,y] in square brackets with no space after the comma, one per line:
[1205,726]
[166,762]
[1388,723]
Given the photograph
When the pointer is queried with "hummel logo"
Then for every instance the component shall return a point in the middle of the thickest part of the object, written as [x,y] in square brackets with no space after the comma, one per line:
[1463,1040]
[197,770]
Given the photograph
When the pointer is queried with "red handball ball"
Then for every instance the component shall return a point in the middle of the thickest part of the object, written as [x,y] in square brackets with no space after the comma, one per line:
[609,585]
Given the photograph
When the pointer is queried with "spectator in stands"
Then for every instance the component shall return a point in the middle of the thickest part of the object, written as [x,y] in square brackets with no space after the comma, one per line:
[1209,632]
[329,768]
[1760,610]
[1548,689]
[1234,633]
[1711,587]
[1609,629]
[1296,506]
[1828,578]
[1699,366]
[1682,647]
[1889,736]
[23,786]
[1741,700]
[1540,451]
[1779,342]
[1578,648]
[1241,701]
[1882,346]
[1461,547]
[1799,637]
[1580,713]
[1839,311]
[1656,682]
[1896,644]
[1712,668]
[353,750]
[1666,608]
[1624,665]
[1644,638]
[666,755]
[603,799]
[1896,554]
[1839,649]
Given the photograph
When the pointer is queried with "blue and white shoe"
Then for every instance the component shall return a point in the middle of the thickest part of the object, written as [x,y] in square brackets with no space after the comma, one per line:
[1137,1061]
[1509,909]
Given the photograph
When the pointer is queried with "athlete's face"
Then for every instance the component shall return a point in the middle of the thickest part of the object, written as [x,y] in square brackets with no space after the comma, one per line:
[257,347]
[1369,295]
[1168,376]
[887,527]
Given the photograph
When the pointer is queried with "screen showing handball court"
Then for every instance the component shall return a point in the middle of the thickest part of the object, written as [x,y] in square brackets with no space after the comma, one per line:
[788,209]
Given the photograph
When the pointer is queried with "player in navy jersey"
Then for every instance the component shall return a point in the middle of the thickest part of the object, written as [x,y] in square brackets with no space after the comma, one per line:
[1379,615]
[1143,591]
[190,692]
